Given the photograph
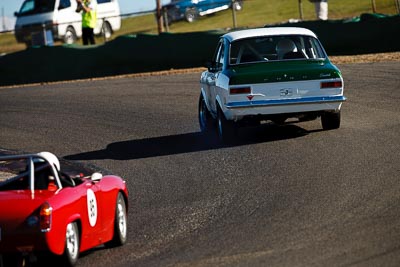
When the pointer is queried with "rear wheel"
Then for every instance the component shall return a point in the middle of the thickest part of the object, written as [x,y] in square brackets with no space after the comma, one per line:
[70,35]
[226,128]
[106,30]
[279,120]
[191,14]
[120,223]
[205,117]
[71,252]
[238,5]
[330,120]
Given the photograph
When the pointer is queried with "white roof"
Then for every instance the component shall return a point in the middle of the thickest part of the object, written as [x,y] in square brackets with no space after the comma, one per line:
[273,31]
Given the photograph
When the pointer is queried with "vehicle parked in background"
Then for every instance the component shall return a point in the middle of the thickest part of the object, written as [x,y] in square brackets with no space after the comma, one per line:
[61,19]
[269,74]
[43,209]
[190,10]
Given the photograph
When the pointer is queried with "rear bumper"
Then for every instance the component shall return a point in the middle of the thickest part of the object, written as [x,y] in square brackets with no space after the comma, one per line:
[24,34]
[287,101]
[238,110]
[23,244]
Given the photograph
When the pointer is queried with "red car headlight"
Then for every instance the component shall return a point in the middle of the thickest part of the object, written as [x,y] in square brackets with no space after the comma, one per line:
[46,212]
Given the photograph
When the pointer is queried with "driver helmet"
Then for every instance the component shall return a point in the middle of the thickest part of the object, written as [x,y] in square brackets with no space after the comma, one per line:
[285,46]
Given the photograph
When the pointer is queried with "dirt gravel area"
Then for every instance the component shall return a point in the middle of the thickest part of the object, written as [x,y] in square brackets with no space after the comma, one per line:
[379,57]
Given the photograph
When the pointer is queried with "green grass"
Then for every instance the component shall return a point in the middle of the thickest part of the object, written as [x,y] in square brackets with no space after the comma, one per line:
[8,43]
[255,13]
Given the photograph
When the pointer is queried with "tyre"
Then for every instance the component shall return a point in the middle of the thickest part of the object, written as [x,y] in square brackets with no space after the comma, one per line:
[205,119]
[238,5]
[191,14]
[106,30]
[120,223]
[279,120]
[330,120]
[71,251]
[226,128]
[11,259]
[70,36]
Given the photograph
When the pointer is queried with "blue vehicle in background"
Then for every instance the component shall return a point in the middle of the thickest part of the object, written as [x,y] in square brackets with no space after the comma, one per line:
[190,10]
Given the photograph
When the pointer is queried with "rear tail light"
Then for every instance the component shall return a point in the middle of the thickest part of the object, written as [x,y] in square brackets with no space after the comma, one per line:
[46,212]
[333,84]
[240,90]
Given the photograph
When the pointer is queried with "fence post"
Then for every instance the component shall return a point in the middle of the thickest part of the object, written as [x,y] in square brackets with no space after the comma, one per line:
[397,2]
[301,9]
[165,20]
[4,27]
[373,6]
[44,34]
[234,14]
[159,17]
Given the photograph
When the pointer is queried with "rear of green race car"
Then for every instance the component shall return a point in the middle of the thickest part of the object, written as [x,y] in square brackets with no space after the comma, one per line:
[280,77]
[269,74]
[280,90]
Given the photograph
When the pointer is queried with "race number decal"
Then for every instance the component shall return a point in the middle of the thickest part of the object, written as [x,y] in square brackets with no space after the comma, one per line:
[92,207]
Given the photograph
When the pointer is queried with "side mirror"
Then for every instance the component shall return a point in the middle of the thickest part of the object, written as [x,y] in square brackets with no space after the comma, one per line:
[16,14]
[214,66]
[208,65]
[96,176]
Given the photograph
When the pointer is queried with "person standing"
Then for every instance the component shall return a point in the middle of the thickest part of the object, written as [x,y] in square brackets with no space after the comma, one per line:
[321,9]
[89,19]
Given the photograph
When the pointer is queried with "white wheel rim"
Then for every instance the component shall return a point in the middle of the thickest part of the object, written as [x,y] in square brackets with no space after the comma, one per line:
[69,39]
[121,218]
[107,31]
[72,241]
[238,7]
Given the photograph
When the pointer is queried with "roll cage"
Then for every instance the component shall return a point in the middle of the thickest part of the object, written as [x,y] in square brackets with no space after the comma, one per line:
[30,172]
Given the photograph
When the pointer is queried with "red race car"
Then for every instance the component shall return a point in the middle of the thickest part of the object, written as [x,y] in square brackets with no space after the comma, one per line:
[45,210]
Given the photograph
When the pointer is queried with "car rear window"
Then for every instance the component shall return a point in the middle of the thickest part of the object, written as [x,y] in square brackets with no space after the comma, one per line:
[274,48]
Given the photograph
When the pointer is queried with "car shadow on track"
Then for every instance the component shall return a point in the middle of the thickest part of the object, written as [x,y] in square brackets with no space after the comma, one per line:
[189,142]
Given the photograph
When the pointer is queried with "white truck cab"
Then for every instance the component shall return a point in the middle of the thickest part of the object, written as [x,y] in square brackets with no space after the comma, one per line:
[61,19]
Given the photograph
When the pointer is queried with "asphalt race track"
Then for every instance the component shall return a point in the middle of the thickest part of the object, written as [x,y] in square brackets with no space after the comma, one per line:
[290,195]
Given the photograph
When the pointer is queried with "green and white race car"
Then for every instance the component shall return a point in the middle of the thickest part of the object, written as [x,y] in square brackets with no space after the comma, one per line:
[269,74]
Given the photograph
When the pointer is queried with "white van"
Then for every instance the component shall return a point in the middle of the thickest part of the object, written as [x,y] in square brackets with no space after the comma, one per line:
[61,19]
